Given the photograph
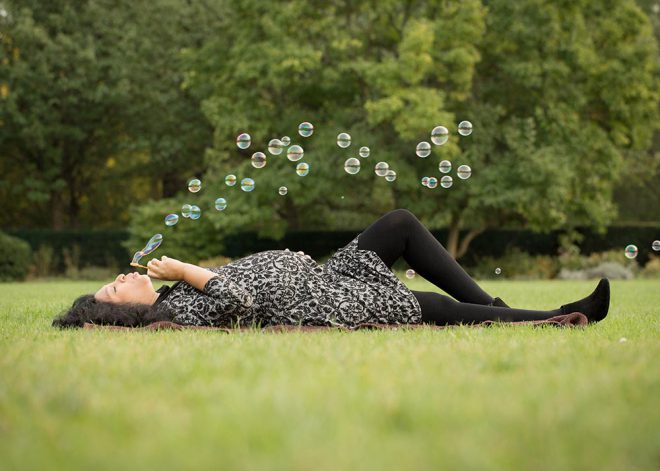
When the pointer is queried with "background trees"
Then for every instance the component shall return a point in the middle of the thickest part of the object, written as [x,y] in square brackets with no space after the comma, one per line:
[110,107]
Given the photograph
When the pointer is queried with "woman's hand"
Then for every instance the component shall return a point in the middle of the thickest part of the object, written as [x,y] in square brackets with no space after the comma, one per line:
[166,269]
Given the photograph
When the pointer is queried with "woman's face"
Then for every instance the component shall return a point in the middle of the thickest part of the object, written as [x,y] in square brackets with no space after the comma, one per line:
[131,288]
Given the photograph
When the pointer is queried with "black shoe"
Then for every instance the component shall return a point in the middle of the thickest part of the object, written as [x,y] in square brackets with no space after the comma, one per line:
[594,306]
[499,303]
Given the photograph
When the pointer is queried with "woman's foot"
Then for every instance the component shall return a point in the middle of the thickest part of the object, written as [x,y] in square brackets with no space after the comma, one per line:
[594,306]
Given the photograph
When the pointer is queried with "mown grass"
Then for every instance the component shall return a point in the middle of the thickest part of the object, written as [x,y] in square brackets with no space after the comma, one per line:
[462,398]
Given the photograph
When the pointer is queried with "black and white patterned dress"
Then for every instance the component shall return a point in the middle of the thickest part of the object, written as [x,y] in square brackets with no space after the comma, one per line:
[280,287]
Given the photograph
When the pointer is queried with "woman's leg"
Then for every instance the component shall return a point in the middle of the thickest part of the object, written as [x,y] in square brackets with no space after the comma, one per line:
[442,310]
[400,234]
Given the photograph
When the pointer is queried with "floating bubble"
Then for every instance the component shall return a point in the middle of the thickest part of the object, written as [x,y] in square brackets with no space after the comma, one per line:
[171,219]
[498,270]
[247,184]
[258,160]
[445,166]
[439,135]
[194,185]
[465,128]
[195,212]
[390,176]
[153,244]
[425,181]
[295,153]
[344,140]
[220,204]
[305,129]
[286,140]
[464,172]
[423,149]
[656,245]
[230,180]
[432,182]
[410,274]
[185,210]
[352,166]
[283,190]
[302,169]
[446,181]
[275,146]
[623,340]
[381,168]
[243,141]
[364,152]
[631,251]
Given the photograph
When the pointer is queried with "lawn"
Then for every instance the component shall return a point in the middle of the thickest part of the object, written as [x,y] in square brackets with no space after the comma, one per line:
[462,398]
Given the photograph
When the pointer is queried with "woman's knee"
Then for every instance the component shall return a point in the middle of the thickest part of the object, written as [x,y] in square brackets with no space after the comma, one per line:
[401,217]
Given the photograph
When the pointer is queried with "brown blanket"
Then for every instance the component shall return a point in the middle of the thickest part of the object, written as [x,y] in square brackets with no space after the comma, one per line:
[575,319]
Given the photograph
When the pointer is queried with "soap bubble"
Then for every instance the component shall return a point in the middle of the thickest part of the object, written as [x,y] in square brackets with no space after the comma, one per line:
[302,169]
[220,204]
[390,176]
[230,180]
[185,210]
[247,184]
[465,128]
[283,190]
[631,251]
[445,166]
[243,141]
[352,166]
[286,140]
[623,340]
[364,152]
[381,168]
[446,181]
[295,153]
[464,172]
[152,245]
[194,185]
[195,212]
[258,160]
[498,270]
[432,182]
[137,256]
[656,245]
[343,140]
[305,129]
[275,146]
[425,181]
[423,149]
[439,135]
[410,274]
[171,219]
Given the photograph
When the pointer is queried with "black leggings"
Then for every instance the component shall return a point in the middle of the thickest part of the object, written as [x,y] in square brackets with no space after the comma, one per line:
[400,234]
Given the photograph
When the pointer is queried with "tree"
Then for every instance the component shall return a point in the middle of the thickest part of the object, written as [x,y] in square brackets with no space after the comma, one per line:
[93,116]
[559,94]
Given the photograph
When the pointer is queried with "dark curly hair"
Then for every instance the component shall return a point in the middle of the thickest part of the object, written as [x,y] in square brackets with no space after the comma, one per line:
[88,309]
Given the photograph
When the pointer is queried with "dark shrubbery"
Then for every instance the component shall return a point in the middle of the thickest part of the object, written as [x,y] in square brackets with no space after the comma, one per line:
[15,258]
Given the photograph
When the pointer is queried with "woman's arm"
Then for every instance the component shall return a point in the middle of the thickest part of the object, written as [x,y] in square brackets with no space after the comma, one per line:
[210,283]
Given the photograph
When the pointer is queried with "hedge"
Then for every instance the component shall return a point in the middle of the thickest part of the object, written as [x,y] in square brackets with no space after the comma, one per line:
[102,247]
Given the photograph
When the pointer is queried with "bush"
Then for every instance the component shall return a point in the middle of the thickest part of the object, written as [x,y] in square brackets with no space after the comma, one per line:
[44,262]
[517,265]
[652,268]
[610,264]
[15,258]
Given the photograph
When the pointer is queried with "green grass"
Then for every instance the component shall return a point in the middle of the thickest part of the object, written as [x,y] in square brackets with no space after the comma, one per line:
[462,398]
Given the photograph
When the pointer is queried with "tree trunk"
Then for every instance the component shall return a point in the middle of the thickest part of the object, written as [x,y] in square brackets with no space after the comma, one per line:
[57,210]
[465,242]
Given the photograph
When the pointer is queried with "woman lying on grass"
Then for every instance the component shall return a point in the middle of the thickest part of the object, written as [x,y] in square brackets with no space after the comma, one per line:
[279,287]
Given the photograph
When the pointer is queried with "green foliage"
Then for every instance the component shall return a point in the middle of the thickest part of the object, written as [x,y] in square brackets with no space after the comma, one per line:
[560,97]
[15,258]
[516,264]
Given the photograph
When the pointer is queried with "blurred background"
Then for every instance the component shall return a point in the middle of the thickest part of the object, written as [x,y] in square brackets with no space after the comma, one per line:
[109,107]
